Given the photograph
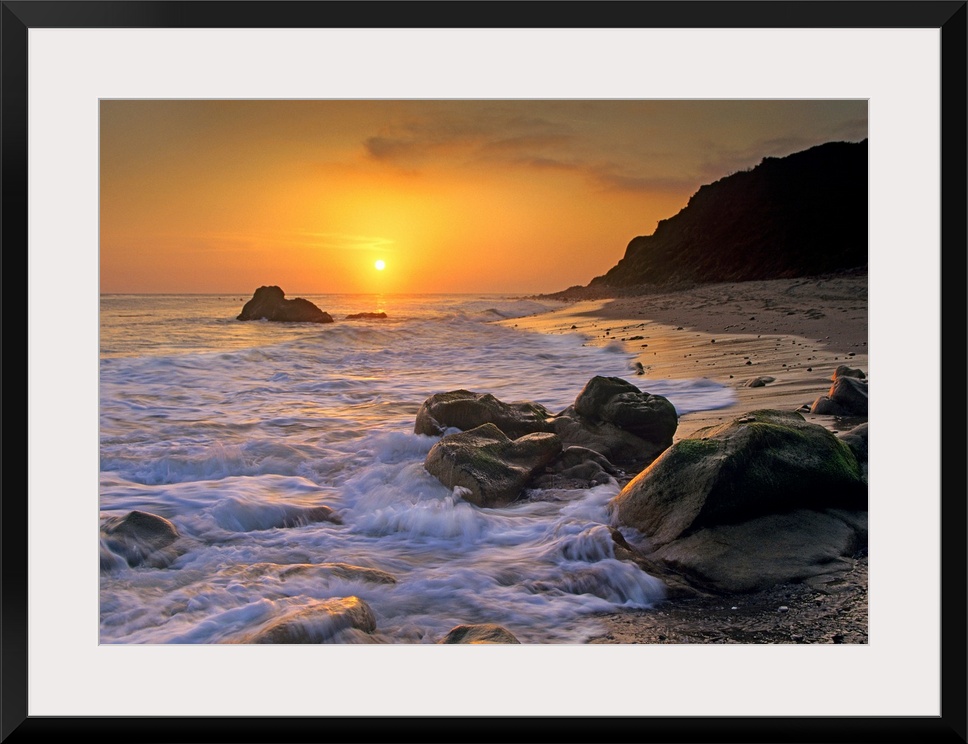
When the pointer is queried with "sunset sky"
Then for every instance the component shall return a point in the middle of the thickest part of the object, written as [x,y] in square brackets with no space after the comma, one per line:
[517,196]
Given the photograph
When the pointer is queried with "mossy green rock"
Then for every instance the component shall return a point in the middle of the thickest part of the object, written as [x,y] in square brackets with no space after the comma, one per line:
[490,468]
[766,462]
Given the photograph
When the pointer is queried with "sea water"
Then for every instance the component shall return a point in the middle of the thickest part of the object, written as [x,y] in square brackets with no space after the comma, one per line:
[235,430]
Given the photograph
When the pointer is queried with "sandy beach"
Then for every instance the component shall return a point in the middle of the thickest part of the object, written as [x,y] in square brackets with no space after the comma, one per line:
[795,331]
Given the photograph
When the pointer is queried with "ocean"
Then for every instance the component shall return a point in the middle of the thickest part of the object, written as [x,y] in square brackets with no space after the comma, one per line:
[234,431]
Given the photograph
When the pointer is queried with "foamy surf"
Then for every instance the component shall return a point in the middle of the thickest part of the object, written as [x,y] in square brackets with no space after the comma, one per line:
[279,451]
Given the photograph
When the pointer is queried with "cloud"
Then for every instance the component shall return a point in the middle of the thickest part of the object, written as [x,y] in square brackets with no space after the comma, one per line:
[611,181]
[478,136]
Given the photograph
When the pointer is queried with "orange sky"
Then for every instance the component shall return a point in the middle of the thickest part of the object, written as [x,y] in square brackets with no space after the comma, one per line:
[455,196]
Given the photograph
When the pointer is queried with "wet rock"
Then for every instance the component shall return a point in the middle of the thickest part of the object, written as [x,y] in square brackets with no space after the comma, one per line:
[766,551]
[576,467]
[856,439]
[464,410]
[846,397]
[367,316]
[314,571]
[480,634]
[759,381]
[269,303]
[762,500]
[844,371]
[321,621]
[345,571]
[309,515]
[766,462]
[139,538]
[613,417]
[490,468]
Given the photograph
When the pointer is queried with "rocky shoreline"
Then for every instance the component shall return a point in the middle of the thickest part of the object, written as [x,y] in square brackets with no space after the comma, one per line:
[793,334]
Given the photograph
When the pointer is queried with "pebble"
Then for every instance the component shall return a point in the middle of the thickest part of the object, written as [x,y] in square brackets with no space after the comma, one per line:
[783,608]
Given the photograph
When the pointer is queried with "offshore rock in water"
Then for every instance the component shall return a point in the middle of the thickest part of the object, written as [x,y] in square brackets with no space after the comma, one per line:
[367,316]
[139,538]
[479,634]
[320,621]
[464,410]
[762,500]
[270,303]
[490,468]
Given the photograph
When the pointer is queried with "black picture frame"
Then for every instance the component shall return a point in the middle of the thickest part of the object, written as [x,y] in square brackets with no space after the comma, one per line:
[949,16]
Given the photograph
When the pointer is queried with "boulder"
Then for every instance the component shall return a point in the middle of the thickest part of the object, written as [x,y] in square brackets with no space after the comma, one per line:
[614,401]
[321,621]
[313,571]
[480,634]
[856,439]
[765,499]
[620,447]
[763,463]
[844,371]
[768,550]
[366,316]
[270,303]
[576,467]
[610,416]
[140,538]
[846,397]
[464,410]
[488,468]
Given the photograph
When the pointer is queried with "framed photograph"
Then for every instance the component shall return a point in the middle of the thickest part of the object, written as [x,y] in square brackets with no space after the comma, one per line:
[449,210]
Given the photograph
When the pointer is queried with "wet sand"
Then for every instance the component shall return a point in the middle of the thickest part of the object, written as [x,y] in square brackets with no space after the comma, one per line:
[796,331]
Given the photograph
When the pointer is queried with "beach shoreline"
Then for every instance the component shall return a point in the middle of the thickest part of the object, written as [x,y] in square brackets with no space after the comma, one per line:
[795,331]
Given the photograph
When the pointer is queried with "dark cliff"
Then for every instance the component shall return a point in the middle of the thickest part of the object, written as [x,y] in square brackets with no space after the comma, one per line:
[799,215]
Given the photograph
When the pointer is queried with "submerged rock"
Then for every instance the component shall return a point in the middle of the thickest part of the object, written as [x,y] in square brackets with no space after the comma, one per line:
[490,468]
[367,316]
[480,634]
[139,538]
[320,621]
[314,571]
[269,303]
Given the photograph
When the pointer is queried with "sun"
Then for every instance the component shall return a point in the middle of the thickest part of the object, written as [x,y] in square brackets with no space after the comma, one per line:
[380,265]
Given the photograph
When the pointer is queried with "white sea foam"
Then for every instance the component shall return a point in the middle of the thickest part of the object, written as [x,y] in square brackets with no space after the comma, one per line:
[239,433]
